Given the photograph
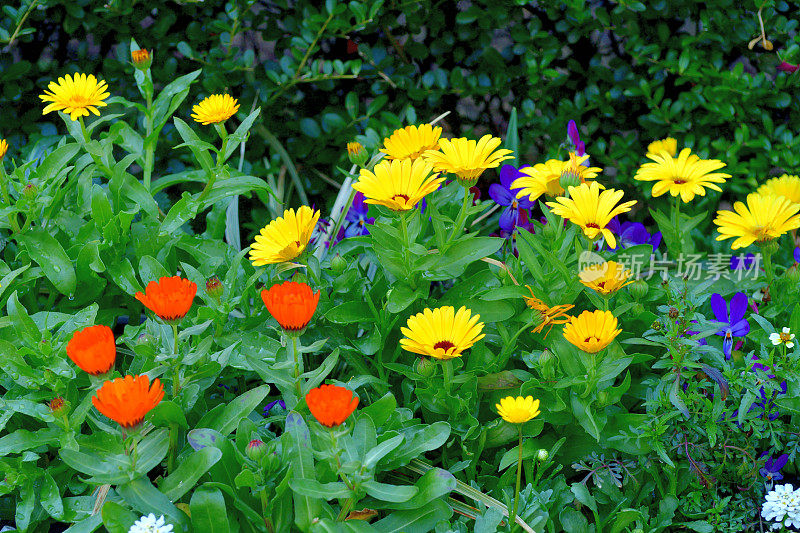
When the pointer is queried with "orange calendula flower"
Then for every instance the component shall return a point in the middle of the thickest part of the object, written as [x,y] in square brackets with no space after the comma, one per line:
[331,404]
[93,349]
[291,304]
[550,316]
[127,400]
[169,298]
[76,95]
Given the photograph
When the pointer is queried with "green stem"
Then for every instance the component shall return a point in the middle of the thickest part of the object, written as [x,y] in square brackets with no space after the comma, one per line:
[220,162]
[173,447]
[768,266]
[87,139]
[149,148]
[462,217]
[176,386]
[406,243]
[447,371]
[12,217]
[513,516]
[341,216]
[676,220]
[296,369]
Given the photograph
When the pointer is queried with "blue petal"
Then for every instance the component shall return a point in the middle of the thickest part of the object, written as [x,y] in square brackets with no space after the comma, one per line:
[720,307]
[509,218]
[738,307]
[501,195]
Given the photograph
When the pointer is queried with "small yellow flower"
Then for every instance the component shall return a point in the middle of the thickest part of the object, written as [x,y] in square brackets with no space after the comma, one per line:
[441,333]
[550,316]
[215,109]
[284,238]
[3,148]
[518,410]
[786,186]
[466,158]
[605,278]
[687,175]
[591,331]
[76,95]
[545,178]
[668,145]
[763,218]
[397,184]
[411,142]
[592,210]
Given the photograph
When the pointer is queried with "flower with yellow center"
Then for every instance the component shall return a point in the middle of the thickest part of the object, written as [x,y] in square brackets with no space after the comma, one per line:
[592,210]
[763,218]
[687,175]
[668,145]
[545,178]
[466,158]
[411,142]
[605,278]
[284,238]
[76,95]
[397,184]
[215,109]
[442,333]
[786,186]
[550,316]
[518,410]
[3,148]
[591,331]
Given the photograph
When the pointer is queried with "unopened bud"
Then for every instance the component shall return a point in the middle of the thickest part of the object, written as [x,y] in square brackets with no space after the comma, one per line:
[338,265]
[638,289]
[656,325]
[29,191]
[425,367]
[673,312]
[542,455]
[256,449]
[357,154]
[141,59]
[214,288]
[568,179]
[793,274]
[57,405]
[547,364]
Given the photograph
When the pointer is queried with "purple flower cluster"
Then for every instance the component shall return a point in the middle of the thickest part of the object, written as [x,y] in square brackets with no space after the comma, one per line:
[356,220]
[574,137]
[502,193]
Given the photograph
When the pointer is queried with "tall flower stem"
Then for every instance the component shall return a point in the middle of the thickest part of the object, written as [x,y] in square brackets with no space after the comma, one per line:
[458,227]
[768,268]
[176,386]
[348,504]
[447,372]
[406,242]
[296,369]
[676,220]
[513,516]
[149,147]
[340,219]
[173,447]
[223,134]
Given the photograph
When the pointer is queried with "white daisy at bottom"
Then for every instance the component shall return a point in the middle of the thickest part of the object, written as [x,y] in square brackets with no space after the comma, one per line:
[782,505]
[151,524]
[784,337]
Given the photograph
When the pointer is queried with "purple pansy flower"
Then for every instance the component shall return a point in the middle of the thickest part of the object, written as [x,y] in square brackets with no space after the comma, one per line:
[572,132]
[632,233]
[271,405]
[502,194]
[734,323]
[797,255]
[742,262]
[356,219]
[772,468]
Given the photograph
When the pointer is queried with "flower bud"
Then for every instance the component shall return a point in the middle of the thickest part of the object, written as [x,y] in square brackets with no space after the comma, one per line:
[256,449]
[141,59]
[338,265]
[214,288]
[769,247]
[793,274]
[357,154]
[547,364]
[29,191]
[57,405]
[569,179]
[425,367]
[542,455]
[673,312]
[638,289]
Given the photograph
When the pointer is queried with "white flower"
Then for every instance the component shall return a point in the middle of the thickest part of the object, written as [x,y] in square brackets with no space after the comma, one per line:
[149,524]
[782,504]
[784,337]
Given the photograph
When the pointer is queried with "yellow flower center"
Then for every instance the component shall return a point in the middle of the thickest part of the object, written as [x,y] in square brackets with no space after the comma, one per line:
[78,100]
[785,337]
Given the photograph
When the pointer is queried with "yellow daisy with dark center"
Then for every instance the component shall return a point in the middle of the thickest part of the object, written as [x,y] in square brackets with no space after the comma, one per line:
[686,175]
[285,238]
[441,333]
[764,218]
[591,331]
[545,178]
[591,209]
[77,95]
[411,142]
[215,109]
[605,278]
[466,158]
[397,184]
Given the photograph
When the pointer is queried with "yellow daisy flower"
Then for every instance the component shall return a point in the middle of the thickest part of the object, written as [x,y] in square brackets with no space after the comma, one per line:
[786,186]
[284,238]
[518,410]
[591,331]
[550,316]
[687,175]
[591,210]
[76,95]
[545,178]
[763,218]
[411,142]
[215,109]
[442,333]
[397,184]
[3,148]
[466,158]
[605,278]
[668,145]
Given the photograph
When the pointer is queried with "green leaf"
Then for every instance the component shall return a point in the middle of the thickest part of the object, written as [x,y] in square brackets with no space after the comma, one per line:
[51,497]
[315,489]
[416,520]
[583,496]
[22,322]
[167,412]
[350,312]
[512,138]
[152,450]
[233,412]
[209,514]
[55,162]
[389,493]
[401,295]
[434,484]
[145,498]
[377,453]
[189,471]
[51,257]
[116,518]
[421,440]
[302,465]
[625,517]
[240,135]
[199,148]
